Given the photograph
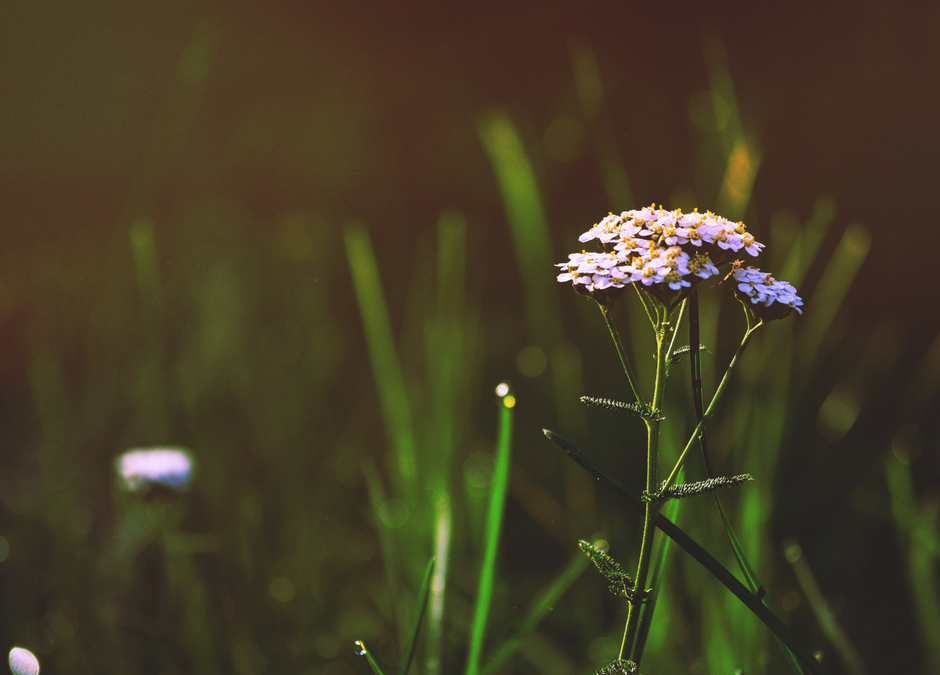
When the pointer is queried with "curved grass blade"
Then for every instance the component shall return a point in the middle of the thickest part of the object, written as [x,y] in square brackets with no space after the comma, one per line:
[494,517]
[390,382]
[693,548]
[750,576]
[366,653]
[419,616]
[539,609]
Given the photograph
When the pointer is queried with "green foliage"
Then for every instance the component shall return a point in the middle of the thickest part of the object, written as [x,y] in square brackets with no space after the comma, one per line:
[644,411]
[621,583]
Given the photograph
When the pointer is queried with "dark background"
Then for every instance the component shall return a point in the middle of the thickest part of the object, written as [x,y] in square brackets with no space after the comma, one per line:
[217,121]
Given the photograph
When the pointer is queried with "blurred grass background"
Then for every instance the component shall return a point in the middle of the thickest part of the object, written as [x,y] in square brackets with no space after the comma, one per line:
[307,241]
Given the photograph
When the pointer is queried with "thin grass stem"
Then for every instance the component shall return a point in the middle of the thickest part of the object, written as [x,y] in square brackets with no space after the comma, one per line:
[494,517]
[542,605]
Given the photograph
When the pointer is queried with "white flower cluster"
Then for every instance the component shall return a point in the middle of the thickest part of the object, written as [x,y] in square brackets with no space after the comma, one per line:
[656,248]
[763,290]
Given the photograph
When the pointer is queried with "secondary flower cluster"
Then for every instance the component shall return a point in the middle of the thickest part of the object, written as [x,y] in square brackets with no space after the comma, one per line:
[664,252]
[776,298]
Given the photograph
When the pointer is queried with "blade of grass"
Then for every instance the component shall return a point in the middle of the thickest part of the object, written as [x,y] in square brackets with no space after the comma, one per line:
[366,653]
[388,543]
[422,606]
[590,89]
[528,225]
[920,562]
[390,382]
[807,245]
[438,585]
[824,614]
[693,548]
[542,605]
[832,287]
[750,576]
[494,517]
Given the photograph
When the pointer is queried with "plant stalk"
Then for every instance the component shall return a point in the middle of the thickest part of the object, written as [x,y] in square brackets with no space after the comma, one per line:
[652,509]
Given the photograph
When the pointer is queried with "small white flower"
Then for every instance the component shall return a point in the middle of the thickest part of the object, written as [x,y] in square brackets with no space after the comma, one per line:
[763,291]
[23,662]
[664,251]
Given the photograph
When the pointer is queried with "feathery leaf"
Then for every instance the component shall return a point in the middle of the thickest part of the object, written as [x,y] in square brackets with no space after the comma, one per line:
[629,409]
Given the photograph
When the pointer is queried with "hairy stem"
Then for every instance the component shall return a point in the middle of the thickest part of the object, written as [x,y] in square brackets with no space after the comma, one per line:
[627,368]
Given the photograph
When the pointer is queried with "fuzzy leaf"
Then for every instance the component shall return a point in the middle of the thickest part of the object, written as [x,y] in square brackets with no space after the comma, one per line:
[621,583]
[684,490]
[619,667]
[628,409]
[677,355]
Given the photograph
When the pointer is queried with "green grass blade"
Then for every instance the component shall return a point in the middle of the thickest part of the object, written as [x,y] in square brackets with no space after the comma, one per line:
[388,543]
[693,548]
[528,226]
[422,606]
[804,251]
[366,653]
[920,562]
[750,576]
[834,284]
[587,78]
[390,382]
[542,605]
[494,517]
[656,582]
[438,585]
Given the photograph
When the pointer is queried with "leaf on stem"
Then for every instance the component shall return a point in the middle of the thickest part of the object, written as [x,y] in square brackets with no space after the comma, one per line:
[677,355]
[619,667]
[621,583]
[644,411]
[683,490]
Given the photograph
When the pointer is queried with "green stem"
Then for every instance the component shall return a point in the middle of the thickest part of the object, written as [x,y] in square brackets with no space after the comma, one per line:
[645,301]
[651,511]
[675,332]
[715,399]
[627,368]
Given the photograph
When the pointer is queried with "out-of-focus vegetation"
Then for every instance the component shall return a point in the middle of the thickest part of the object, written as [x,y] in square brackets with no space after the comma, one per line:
[307,245]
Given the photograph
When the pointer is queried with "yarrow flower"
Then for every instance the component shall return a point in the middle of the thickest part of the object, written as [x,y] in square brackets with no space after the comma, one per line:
[665,252]
[770,299]
[141,469]
[23,662]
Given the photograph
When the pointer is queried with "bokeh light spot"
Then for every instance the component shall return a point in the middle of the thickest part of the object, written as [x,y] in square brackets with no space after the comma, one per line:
[393,513]
[532,361]
[327,647]
[282,589]
[479,469]
[839,412]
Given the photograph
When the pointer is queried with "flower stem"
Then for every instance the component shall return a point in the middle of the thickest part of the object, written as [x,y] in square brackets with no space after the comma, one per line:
[627,368]
[714,402]
[652,509]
